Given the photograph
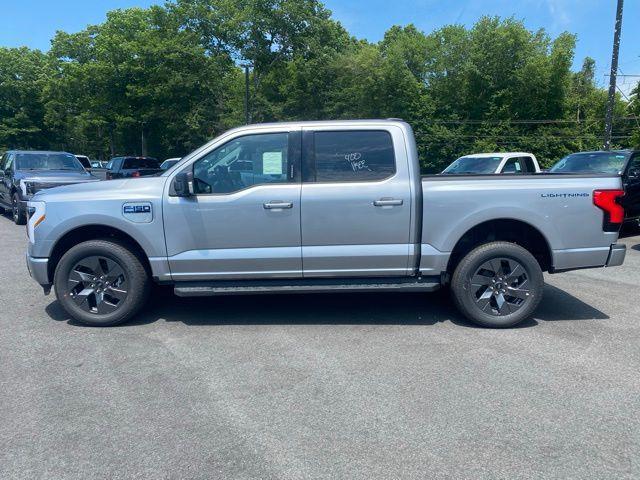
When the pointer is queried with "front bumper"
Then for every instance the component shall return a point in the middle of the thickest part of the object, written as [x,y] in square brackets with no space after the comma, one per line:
[39,271]
[617,252]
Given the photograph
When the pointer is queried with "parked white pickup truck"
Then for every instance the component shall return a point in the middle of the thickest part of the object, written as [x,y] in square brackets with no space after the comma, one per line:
[484,163]
[319,207]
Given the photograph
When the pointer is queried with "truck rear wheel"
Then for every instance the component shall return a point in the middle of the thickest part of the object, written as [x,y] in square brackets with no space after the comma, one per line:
[497,285]
[101,283]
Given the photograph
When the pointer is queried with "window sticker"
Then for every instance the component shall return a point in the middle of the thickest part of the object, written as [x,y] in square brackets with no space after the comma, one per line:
[272,163]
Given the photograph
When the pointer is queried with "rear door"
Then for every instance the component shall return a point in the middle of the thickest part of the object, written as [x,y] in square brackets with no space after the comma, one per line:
[356,202]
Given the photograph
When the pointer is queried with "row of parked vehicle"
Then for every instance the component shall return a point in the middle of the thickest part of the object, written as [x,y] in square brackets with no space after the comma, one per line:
[25,172]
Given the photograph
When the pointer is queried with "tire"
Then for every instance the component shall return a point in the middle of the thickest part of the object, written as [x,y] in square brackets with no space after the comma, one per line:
[18,214]
[90,280]
[497,285]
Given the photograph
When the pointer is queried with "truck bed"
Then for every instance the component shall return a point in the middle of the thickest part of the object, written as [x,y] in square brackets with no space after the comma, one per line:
[559,206]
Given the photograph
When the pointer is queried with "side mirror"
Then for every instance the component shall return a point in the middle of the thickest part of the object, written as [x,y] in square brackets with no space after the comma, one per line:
[634,174]
[183,184]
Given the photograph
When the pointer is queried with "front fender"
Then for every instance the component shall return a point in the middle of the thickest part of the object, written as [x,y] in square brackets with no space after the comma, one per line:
[150,236]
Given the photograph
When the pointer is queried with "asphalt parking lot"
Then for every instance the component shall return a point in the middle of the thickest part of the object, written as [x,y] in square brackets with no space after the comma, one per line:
[326,386]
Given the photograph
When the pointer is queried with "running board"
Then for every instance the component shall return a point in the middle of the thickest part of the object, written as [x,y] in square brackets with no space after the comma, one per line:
[307,285]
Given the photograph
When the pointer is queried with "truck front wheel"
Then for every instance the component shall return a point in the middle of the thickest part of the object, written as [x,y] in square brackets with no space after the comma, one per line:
[18,213]
[101,283]
[497,285]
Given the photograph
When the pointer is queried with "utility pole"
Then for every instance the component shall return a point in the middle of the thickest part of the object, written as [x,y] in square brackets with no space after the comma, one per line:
[608,126]
[247,115]
[143,153]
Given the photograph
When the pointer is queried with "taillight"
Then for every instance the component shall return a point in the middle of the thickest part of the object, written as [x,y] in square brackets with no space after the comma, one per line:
[135,174]
[609,202]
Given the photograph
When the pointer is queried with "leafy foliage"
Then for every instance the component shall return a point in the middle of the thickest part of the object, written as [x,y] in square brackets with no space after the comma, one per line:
[174,75]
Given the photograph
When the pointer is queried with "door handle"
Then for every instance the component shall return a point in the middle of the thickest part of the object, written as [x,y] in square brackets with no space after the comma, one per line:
[388,202]
[277,205]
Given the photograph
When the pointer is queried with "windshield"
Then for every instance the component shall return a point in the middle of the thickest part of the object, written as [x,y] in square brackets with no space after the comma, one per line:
[595,162]
[47,161]
[474,165]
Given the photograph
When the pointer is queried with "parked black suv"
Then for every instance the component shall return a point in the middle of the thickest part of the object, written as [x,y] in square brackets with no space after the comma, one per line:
[125,167]
[23,173]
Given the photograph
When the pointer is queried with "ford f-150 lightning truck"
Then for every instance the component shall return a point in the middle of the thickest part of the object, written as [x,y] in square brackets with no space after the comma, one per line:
[336,206]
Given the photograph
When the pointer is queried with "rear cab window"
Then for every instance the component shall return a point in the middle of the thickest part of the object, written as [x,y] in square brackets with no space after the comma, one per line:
[134,163]
[528,164]
[352,156]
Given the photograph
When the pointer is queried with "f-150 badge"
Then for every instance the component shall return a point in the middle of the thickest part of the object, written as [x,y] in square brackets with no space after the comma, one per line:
[137,212]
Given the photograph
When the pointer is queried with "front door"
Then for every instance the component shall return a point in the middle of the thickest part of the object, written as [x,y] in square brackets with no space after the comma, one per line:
[356,203]
[244,219]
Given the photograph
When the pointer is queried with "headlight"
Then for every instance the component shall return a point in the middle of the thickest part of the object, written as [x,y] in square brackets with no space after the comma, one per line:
[36,217]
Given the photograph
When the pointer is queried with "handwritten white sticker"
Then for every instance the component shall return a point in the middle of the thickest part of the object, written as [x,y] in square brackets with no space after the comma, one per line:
[272,163]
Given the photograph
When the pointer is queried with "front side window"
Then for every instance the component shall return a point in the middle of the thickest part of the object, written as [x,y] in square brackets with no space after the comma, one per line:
[8,162]
[354,156]
[243,162]
[634,167]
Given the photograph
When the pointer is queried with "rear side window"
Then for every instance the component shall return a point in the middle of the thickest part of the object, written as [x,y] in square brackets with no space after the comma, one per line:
[353,156]
[132,163]
[529,166]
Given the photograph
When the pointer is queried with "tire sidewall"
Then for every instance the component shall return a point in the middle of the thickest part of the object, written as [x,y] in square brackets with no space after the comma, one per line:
[77,253]
[461,283]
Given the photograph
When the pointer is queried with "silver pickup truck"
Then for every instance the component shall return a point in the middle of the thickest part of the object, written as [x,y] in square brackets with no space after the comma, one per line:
[319,207]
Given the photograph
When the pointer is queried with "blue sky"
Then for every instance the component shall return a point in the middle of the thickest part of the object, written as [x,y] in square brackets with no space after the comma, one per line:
[33,22]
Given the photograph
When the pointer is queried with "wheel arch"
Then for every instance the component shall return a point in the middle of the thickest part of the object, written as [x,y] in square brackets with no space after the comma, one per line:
[94,232]
[503,229]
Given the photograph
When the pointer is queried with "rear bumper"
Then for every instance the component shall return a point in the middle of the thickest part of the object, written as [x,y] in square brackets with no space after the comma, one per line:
[617,252]
[39,271]
[596,257]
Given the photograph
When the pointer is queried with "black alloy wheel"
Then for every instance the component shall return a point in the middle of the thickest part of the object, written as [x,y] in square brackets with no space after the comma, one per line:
[98,284]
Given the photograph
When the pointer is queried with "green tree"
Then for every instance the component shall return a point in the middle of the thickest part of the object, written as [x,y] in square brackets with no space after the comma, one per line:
[23,73]
[138,72]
